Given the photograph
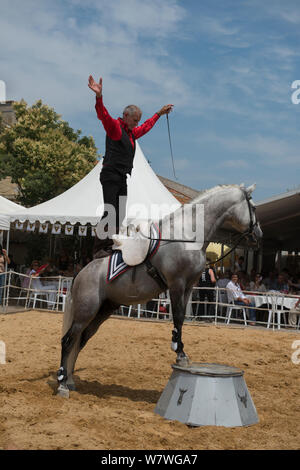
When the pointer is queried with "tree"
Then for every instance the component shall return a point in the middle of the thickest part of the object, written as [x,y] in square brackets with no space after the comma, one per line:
[42,154]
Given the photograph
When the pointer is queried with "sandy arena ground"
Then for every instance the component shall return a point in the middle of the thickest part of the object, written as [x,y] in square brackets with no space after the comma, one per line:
[120,376]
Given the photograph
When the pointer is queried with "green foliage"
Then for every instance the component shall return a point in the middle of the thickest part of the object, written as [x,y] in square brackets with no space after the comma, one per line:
[42,154]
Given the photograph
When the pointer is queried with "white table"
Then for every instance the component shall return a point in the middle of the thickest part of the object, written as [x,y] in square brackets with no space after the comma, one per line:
[281,299]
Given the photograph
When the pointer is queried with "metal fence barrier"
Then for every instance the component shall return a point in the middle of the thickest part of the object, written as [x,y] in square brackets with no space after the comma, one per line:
[273,309]
[23,292]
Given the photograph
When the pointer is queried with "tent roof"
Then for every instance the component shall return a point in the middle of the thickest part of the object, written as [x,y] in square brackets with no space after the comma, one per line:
[83,202]
[7,207]
[279,217]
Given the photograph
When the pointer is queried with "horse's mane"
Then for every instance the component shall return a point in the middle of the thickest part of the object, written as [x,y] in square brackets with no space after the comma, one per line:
[219,187]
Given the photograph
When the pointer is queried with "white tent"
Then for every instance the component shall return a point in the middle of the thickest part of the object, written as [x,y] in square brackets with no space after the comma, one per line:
[83,202]
[7,208]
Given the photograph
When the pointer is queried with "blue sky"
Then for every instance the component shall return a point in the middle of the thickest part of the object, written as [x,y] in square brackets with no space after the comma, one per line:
[226,65]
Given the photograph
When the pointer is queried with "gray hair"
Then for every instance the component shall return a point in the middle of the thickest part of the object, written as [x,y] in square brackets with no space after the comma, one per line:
[132,109]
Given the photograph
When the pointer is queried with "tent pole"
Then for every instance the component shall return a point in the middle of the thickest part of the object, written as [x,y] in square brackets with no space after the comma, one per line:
[6,288]
[54,248]
[50,245]
[7,247]
[222,260]
[80,248]
[233,261]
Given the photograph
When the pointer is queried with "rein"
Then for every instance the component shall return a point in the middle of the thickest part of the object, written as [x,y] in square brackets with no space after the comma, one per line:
[252,225]
[248,232]
[231,250]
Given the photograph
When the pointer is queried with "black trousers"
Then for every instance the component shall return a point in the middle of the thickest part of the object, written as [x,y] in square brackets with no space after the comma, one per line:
[114,187]
[208,294]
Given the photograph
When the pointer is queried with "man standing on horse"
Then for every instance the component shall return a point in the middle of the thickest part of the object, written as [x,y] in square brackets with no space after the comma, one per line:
[121,134]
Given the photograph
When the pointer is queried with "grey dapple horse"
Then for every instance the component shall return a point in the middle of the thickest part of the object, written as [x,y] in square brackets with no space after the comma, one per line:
[93,300]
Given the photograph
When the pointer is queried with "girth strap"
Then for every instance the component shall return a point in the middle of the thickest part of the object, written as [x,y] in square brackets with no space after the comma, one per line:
[155,274]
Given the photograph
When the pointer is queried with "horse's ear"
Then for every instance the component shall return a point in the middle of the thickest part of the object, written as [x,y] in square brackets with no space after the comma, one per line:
[250,189]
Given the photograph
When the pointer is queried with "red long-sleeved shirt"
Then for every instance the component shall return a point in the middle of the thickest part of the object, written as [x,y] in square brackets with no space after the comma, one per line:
[113,127]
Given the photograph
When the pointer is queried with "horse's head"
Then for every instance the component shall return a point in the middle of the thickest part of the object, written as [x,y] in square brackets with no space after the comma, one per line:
[244,216]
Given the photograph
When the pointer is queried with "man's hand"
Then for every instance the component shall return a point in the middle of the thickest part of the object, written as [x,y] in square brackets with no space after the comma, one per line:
[165,109]
[96,87]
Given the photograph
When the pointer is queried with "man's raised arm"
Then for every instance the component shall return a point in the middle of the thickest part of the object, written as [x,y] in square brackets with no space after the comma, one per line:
[141,130]
[111,126]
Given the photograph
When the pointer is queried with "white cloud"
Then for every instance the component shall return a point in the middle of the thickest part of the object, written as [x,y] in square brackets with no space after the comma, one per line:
[217,27]
[153,18]
[288,12]
[52,50]
[236,163]
[263,150]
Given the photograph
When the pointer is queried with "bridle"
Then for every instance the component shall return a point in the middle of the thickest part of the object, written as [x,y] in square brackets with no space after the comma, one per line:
[249,232]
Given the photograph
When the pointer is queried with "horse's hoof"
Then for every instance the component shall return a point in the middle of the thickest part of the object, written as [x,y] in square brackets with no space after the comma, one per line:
[63,392]
[71,387]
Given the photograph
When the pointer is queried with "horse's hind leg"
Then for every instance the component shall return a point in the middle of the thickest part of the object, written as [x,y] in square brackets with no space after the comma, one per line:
[71,363]
[104,312]
[68,342]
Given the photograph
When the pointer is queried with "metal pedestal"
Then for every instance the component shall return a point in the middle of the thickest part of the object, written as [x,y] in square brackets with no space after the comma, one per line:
[203,394]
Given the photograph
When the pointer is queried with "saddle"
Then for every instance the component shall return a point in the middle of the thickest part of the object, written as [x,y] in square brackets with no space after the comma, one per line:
[133,247]
[133,241]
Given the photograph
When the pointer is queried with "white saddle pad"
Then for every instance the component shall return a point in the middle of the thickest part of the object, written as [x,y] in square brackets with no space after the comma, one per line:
[133,241]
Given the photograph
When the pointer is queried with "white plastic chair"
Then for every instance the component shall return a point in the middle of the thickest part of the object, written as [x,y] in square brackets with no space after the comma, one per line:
[65,287]
[41,293]
[221,298]
[37,296]
[276,301]
[235,308]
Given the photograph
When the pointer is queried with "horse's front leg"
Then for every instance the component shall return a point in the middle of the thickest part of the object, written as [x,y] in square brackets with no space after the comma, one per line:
[179,298]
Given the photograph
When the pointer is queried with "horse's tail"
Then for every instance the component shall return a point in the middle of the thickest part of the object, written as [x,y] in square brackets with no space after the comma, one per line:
[68,314]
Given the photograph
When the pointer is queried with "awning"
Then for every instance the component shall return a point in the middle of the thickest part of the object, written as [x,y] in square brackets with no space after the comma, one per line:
[279,218]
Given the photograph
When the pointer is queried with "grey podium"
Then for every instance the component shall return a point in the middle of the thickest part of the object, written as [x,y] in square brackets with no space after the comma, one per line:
[205,394]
